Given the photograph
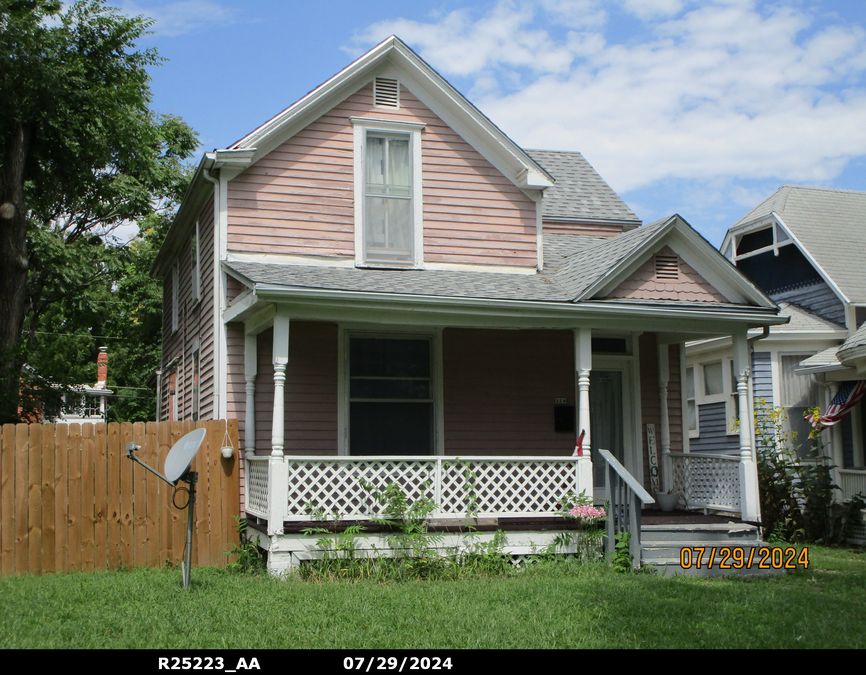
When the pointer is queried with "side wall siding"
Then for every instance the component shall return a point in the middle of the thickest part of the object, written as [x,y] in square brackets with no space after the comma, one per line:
[500,388]
[195,322]
[299,199]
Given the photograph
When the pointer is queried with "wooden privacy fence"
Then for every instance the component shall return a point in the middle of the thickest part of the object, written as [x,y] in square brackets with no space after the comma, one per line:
[70,499]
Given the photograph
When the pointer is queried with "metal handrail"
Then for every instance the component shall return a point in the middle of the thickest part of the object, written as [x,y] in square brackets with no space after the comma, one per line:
[626,496]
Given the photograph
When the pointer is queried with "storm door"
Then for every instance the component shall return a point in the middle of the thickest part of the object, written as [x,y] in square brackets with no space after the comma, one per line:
[390,396]
[607,421]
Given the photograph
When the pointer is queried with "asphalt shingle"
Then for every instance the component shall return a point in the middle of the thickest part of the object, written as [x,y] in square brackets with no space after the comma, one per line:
[579,193]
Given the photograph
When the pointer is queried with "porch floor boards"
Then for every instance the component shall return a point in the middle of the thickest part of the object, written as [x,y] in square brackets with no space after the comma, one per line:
[682,517]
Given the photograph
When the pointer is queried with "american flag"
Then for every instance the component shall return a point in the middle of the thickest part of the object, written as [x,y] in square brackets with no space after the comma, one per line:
[847,397]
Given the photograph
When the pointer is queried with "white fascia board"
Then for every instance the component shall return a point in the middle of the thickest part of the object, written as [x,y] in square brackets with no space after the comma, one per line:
[627,265]
[235,158]
[584,311]
[717,270]
[464,118]
[435,92]
[813,262]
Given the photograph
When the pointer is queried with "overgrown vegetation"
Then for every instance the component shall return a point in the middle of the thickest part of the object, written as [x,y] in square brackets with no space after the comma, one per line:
[797,490]
[412,551]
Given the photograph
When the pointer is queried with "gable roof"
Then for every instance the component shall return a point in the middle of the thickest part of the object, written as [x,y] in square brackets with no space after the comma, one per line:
[426,84]
[828,225]
[580,193]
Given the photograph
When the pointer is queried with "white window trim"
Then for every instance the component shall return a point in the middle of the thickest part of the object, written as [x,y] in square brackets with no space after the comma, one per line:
[362,125]
[732,411]
[696,432]
[345,333]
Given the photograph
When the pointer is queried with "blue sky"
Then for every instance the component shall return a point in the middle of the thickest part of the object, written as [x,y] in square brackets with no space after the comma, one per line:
[696,108]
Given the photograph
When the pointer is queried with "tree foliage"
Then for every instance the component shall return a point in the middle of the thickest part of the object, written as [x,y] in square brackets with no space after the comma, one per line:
[81,154]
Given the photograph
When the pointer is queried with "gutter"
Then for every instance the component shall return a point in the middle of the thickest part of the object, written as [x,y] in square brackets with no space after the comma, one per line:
[761,316]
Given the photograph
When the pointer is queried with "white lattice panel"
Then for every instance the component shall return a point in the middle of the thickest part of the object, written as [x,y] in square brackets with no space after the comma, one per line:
[488,487]
[858,534]
[505,487]
[338,487]
[257,487]
[853,482]
[708,481]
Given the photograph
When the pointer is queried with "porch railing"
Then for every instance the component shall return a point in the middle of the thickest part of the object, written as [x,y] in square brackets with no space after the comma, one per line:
[707,481]
[483,487]
[626,497]
[852,482]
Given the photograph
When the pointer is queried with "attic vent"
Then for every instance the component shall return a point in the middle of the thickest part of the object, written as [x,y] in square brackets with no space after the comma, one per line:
[667,266]
[386,92]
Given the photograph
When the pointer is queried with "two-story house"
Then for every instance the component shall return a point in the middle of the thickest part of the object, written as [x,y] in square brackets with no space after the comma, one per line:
[805,247]
[378,279]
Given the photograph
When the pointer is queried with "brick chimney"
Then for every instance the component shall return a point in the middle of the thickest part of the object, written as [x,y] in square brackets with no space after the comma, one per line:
[102,369]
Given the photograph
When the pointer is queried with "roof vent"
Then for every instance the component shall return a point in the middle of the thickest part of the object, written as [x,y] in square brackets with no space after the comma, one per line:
[667,266]
[386,92]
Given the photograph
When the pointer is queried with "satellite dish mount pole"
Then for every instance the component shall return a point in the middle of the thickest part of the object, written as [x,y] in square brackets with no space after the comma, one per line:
[190,478]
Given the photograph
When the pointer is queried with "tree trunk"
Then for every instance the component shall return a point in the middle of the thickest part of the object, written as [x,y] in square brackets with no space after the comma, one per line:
[13,269]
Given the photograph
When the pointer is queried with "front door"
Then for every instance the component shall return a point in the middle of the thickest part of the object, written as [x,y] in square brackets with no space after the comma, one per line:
[609,421]
[390,396]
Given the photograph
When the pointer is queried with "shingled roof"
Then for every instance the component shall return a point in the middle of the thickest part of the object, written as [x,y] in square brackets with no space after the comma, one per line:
[579,193]
[831,226]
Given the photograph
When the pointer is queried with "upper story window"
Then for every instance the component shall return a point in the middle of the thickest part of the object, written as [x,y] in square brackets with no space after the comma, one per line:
[388,209]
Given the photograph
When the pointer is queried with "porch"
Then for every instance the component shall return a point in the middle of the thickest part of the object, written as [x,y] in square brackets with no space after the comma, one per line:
[518,496]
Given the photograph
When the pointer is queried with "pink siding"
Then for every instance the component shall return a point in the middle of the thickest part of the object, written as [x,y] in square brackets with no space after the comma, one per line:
[649,398]
[195,322]
[233,288]
[235,381]
[586,229]
[500,388]
[311,390]
[299,198]
[644,285]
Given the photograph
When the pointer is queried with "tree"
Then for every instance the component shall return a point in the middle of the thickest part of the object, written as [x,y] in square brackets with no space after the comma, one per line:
[80,154]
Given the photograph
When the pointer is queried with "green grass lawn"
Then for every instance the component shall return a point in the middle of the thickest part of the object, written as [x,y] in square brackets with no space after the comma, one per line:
[564,606]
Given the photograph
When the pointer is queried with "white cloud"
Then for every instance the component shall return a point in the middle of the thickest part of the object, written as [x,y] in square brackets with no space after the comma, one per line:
[183,16]
[721,90]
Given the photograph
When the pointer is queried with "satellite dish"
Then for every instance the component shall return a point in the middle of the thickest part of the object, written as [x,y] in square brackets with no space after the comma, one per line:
[177,469]
[181,455]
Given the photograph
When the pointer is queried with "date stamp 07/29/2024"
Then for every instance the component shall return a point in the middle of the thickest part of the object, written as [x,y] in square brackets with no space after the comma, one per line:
[744,557]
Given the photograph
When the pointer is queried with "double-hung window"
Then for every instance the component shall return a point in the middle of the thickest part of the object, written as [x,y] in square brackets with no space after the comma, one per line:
[387,193]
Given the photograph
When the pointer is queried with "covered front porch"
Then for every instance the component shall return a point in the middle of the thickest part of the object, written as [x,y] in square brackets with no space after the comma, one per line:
[490,417]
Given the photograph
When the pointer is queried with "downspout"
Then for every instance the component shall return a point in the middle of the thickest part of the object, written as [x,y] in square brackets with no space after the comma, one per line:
[216,291]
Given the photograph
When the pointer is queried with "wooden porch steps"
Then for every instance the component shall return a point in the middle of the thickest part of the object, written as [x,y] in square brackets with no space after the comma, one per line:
[663,544]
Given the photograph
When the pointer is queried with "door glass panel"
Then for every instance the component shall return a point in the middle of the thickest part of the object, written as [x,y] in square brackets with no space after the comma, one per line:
[606,419]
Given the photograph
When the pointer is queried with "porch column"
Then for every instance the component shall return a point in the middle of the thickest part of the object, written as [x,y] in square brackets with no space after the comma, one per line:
[583,366]
[664,379]
[835,433]
[749,503]
[280,360]
[278,479]
[250,372]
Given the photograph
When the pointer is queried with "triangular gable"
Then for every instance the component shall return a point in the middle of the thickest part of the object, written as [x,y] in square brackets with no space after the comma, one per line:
[666,276]
[710,273]
[392,58]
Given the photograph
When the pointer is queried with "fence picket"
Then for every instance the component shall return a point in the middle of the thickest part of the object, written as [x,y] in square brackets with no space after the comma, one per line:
[71,501]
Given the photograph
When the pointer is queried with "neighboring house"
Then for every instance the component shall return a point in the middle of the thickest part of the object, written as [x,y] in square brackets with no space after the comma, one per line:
[380,272]
[78,403]
[806,249]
